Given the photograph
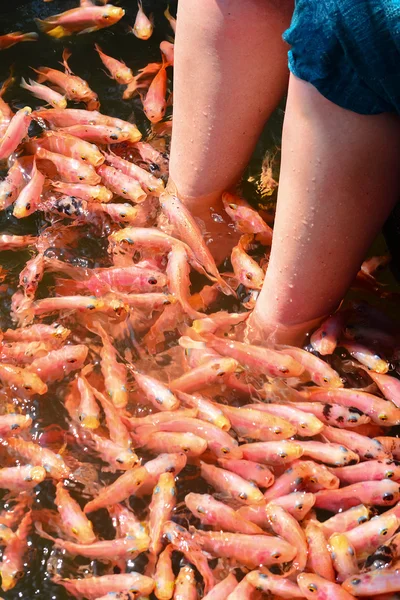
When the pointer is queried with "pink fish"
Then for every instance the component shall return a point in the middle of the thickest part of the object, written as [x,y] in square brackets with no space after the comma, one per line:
[162,505]
[292,480]
[246,269]
[219,442]
[286,526]
[117,69]
[205,374]
[113,371]
[70,169]
[365,447]
[247,220]
[272,453]
[155,103]
[74,521]
[206,409]
[32,274]
[185,584]
[346,520]
[221,321]
[167,441]
[94,587]
[333,414]
[116,457]
[164,577]
[250,550]
[80,20]
[377,469]
[78,303]
[44,93]
[319,559]
[39,456]
[183,542]
[157,161]
[22,379]
[88,411]
[331,454]
[126,523]
[314,586]
[122,488]
[367,537]
[218,515]
[151,184]
[258,425]
[343,556]
[16,131]
[366,357]
[156,392]
[232,485]
[59,363]
[29,198]
[307,424]
[381,411]
[252,471]
[15,242]
[12,565]
[167,48]
[272,584]
[378,582]
[21,479]
[178,273]
[91,193]
[380,493]
[325,339]
[12,185]
[390,444]
[172,23]
[153,419]
[143,27]
[243,591]
[68,145]
[12,423]
[117,430]
[320,372]
[54,334]
[222,589]
[297,504]
[388,385]
[164,463]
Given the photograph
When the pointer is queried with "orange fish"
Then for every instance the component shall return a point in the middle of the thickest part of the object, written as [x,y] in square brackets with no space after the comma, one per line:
[117,69]
[84,19]
[154,103]
[44,93]
[143,27]
[10,39]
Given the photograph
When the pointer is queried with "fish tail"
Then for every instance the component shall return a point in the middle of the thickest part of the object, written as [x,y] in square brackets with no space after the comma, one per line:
[7,82]
[44,25]
[25,85]
[42,72]
[64,286]
[32,36]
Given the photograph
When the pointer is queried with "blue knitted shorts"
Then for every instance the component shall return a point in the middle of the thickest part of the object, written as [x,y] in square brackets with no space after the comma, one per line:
[349,50]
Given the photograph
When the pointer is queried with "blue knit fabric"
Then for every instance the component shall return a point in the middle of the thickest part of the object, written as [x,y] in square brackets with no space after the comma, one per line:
[349,50]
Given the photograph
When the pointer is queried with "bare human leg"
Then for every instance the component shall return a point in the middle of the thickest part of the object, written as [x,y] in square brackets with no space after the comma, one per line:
[230,72]
[339,179]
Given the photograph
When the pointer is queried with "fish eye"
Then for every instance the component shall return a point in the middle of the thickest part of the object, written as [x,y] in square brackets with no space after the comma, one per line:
[243,496]
[283,455]
[312,587]
[383,532]
[389,474]
[382,417]
[249,276]
[73,90]
[106,16]
[152,280]
[225,450]
[355,581]
[83,157]
[119,461]
[276,555]
[387,496]
[27,388]
[277,430]
[71,360]
[74,530]
[326,380]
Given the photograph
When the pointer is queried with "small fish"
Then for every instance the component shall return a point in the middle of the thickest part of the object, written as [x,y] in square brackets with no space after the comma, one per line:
[206,409]
[98,133]
[231,484]
[246,219]
[380,493]
[91,193]
[29,198]
[116,457]
[252,471]
[22,378]
[183,542]
[22,478]
[306,423]
[75,522]
[366,357]
[292,480]
[346,520]
[320,372]
[32,274]
[222,589]
[143,27]
[44,93]
[121,184]
[250,550]
[117,69]
[333,414]
[381,411]
[164,576]
[57,364]
[255,424]
[12,423]
[365,447]
[15,242]
[69,145]
[55,334]
[10,39]
[16,131]
[126,523]
[161,508]
[376,583]
[70,169]
[167,48]
[166,441]
[12,565]
[390,444]
[207,373]
[178,273]
[80,20]
[170,19]
[218,515]
[39,456]
[325,339]
[11,186]
[329,453]
[117,430]
[114,372]
[156,392]
[388,385]
[367,537]
[122,488]
[319,559]
[272,453]
[377,470]
[286,526]
[185,584]
[314,586]
[246,269]
[151,185]
[272,584]
[94,587]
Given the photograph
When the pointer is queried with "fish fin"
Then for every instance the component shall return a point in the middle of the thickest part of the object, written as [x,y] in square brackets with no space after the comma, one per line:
[46,25]
[88,30]
[42,533]
[32,36]
[188,343]
[7,82]
[66,55]
[25,85]
[64,286]
[58,32]
[42,74]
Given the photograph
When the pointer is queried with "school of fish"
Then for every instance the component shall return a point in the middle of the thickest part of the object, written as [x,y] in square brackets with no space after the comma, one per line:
[223,470]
